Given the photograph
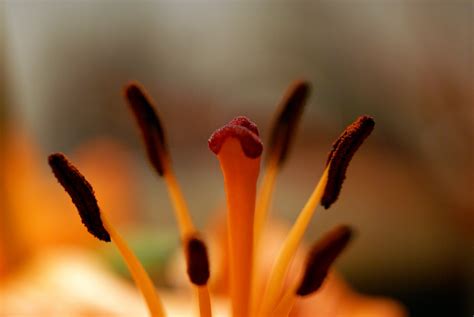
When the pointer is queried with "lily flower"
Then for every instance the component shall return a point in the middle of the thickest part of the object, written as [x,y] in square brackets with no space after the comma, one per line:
[238,148]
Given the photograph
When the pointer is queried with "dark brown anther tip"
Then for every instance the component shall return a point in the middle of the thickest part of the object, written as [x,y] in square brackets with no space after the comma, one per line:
[149,123]
[244,130]
[287,120]
[81,193]
[197,261]
[320,258]
[341,154]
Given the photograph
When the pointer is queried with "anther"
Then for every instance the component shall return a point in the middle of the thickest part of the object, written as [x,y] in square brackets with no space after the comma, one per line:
[341,154]
[197,261]
[287,120]
[320,258]
[81,193]
[149,123]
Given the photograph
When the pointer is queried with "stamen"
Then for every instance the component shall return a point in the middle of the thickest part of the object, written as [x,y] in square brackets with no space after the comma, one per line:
[238,149]
[328,188]
[341,154]
[157,151]
[158,155]
[281,136]
[82,194]
[318,261]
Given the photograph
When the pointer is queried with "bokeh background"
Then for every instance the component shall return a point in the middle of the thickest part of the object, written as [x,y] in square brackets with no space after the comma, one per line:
[409,191]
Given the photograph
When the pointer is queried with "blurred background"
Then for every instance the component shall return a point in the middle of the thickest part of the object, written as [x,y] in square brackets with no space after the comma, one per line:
[409,191]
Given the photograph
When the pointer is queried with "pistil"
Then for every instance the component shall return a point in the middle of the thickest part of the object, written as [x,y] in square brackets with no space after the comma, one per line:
[238,148]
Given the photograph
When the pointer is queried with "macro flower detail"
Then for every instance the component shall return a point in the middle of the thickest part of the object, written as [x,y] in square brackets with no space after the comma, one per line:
[238,148]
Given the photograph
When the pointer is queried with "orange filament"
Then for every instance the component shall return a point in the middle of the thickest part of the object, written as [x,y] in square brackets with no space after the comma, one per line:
[261,212]
[183,217]
[240,179]
[286,303]
[141,278]
[282,262]
[264,197]
[204,301]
